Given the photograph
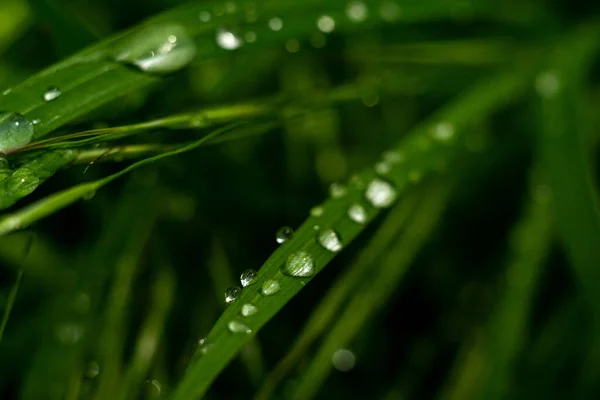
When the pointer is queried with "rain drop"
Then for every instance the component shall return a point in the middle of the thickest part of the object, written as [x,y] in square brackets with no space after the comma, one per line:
[343,360]
[157,49]
[337,190]
[299,263]
[249,309]
[52,93]
[15,131]
[292,45]
[238,327]
[270,287]
[330,240]
[275,24]
[380,194]
[393,157]
[357,213]
[228,40]
[326,24]
[356,11]
[69,333]
[383,168]
[443,131]
[316,211]
[232,294]
[204,16]
[204,346]
[248,277]
[389,10]
[284,234]
[547,84]
[154,388]
[22,182]
[92,369]
[250,37]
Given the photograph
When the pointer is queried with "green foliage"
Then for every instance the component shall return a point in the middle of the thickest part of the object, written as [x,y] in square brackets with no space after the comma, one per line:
[458,238]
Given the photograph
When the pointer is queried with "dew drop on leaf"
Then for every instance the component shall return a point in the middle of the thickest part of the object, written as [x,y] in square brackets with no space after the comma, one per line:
[232,294]
[337,190]
[316,211]
[356,11]
[22,182]
[92,369]
[227,39]
[443,131]
[270,287]
[326,23]
[15,131]
[249,309]
[330,240]
[52,93]
[299,263]
[275,24]
[238,327]
[357,213]
[380,193]
[284,234]
[248,277]
[393,157]
[204,16]
[343,360]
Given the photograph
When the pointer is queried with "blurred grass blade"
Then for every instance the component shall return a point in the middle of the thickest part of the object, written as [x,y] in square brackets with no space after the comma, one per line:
[10,301]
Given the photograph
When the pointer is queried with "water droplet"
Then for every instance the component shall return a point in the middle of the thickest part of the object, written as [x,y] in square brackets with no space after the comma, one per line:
[228,40]
[157,49]
[330,240]
[230,7]
[443,131]
[204,346]
[292,45]
[6,92]
[15,131]
[232,294]
[92,369]
[69,333]
[202,341]
[547,84]
[204,16]
[316,211]
[36,121]
[389,10]
[275,24]
[337,190]
[249,309]
[326,24]
[316,227]
[154,388]
[318,40]
[370,98]
[356,11]
[248,277]
[383,168]
[284,234]
[270,287]
[238,327]
[250,37]
[22,182]
[357,213]
[299,263]
[393,157]
[358,182]
[52,93]
[380,193]
[343,360]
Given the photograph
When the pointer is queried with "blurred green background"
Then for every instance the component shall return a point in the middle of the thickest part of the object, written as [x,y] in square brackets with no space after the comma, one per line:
[152,253]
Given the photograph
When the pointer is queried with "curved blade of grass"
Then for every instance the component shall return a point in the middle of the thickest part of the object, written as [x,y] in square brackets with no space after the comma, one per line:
[423,151]
[92,77]
[374,292]
[10,301]
[337,296]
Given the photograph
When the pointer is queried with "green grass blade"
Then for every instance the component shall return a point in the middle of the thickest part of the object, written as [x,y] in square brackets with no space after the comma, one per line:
[10,301]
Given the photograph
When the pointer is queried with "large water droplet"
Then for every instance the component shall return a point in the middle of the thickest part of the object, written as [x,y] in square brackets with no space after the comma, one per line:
[299,263]
[357,213]
[330,240]
[15,131]
[92,369]
[238,327]
[232,294]
[157,49]
[248,277]
[316,211]
[343,360]
[227,39]
[380,193]
[22,182]
[326,24]
[249,309]
[284,234]
[356,11]
[51,94]
[270,287]
[337,190]
[275,24]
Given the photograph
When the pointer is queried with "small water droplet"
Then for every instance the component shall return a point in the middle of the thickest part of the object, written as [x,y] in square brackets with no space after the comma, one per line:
[202,341]
[248,277]
[92,369]
[275,24]
[326,24]
[36,121]
[204,346]
[284,234]
[547,84]
[357,213]
[204,16]
[337,190]
[383,168]
[69,333]
[380,193]
[52,93]
[250,37]
[299,263]
[232,294]
[22,182]
[343,360]
[15,131]
[356,11]
[292,45]
[330,240]
[316,211]
[389,10]
[443,131]
[270,287]
[318,40]
[6,92]
[154,388]
[393,157]
[238,327]
[249,309]
[370,98]
[316,227]
[227,39]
